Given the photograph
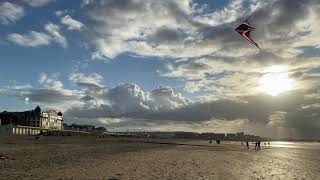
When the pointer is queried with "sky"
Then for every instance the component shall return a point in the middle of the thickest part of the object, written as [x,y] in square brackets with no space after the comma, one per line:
[148,65]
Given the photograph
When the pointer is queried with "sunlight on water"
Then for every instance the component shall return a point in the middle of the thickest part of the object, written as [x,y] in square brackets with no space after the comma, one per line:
[304,145]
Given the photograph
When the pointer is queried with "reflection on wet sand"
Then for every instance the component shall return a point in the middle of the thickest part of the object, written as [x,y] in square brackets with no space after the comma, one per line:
[129,158]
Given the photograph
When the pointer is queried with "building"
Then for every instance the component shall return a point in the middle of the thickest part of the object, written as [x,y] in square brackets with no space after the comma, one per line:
[30,122]
[231,137]
[85,128]
[219,136]
[212,136]
[78,127]
[25,118]
[206,136]
[20,130]
[185,135]
[51,120]
[99,130]
[240,136]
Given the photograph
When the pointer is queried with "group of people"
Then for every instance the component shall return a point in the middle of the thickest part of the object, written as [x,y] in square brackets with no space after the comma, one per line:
[257,145]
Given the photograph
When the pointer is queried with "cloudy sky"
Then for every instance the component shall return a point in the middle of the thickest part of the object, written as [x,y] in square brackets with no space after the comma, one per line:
[165,65]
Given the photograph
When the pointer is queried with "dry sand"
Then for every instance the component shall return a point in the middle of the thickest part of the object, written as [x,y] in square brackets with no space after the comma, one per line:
[90,158]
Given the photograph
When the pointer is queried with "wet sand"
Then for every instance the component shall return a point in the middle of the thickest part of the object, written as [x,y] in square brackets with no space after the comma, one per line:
[129,158]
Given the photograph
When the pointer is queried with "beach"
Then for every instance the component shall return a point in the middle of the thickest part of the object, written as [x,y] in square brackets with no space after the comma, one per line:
[131,158]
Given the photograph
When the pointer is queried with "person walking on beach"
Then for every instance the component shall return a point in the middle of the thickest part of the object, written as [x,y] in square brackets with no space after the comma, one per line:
[247,145]
[259,145]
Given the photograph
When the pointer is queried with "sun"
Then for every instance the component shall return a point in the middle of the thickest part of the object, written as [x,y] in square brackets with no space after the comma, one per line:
[275,81]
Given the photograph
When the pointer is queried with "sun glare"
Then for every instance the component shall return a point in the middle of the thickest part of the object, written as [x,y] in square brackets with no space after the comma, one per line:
[275,81]
[277,69]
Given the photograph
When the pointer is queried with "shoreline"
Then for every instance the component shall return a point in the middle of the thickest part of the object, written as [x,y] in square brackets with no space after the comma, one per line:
[132,158]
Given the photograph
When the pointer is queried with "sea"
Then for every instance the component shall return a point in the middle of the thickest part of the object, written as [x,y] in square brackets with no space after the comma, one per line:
[296,144]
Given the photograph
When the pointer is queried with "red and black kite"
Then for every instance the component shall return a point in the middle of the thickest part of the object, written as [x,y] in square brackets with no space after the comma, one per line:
[244,30]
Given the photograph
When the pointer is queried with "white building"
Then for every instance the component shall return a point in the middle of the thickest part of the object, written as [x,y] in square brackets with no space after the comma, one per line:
[20,130]
[51,120]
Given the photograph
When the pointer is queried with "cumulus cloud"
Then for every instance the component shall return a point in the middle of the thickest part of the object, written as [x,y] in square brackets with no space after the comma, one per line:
[10,12]
[54,31]
[50,93]
[180,30]
[50,83]
[119,32]
[82,80]
[213,61]
[71,23]
[31,39]
[35,39]
[191,87]
[98,56]
[38,3]
[127,100]
[130,104]
[127,105]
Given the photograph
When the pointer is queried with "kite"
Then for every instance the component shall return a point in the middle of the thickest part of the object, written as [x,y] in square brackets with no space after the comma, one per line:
[244,30]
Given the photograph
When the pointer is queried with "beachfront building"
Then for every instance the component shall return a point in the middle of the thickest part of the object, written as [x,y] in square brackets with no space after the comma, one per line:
[231,137]
[26,118]
[51,119]
[240,136]
[78,127]
[185,135]
[219,136]
[30,122]
[34,118]
[85,128]
[20,130]
[206,136]
[212,136]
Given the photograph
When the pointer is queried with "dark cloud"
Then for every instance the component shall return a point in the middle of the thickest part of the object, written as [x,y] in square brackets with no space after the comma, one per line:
[129,99]
[131,103]
[128,104]
[167,35]
[275,22]
[214,54]
[49,96]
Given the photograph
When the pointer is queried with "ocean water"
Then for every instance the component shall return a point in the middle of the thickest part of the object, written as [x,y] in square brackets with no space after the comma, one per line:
[293,144]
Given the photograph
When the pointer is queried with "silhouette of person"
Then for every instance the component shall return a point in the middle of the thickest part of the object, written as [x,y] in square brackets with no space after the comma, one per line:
[247,145]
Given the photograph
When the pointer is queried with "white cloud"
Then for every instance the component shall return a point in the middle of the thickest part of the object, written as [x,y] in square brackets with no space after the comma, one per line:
[124,27]
[179,30]
[31,39]
[10,12]
[35,39]
[49,94]
[86,2]
[98,56]
[71,23]
[191,87]
[93,80]
[50,83]
[127,105]
[59,13]
[54,31]
[37,3]
[227,14]
[128,100]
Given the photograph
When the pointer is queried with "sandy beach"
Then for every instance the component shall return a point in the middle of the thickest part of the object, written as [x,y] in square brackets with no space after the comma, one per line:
[126,158]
